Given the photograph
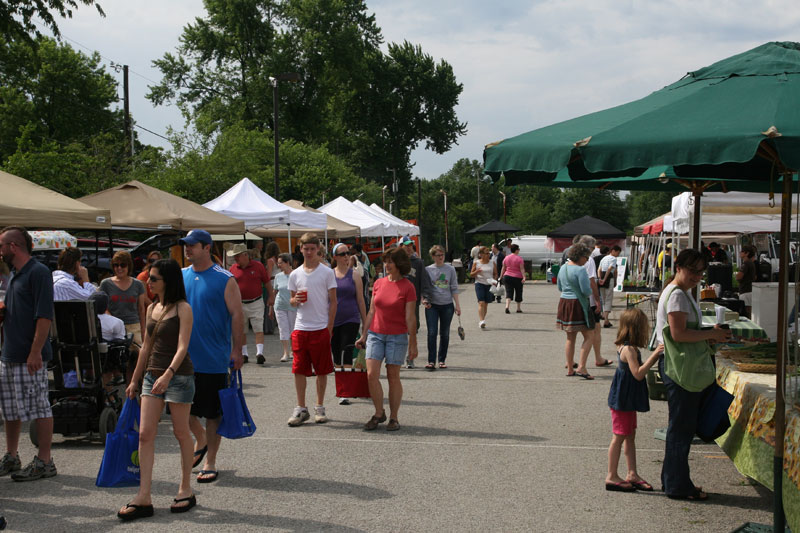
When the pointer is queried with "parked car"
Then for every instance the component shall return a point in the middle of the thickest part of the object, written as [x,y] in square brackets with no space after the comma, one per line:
[534,251]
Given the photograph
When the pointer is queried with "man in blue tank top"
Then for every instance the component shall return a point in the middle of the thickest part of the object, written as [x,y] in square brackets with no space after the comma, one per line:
[217,308]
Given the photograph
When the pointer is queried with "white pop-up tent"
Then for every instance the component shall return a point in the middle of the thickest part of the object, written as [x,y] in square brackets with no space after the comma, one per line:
[408,228]
[371,225]
[258,210]
[732,212]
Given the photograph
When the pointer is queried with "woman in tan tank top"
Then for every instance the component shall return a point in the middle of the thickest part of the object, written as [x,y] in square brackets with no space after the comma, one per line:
[168,377]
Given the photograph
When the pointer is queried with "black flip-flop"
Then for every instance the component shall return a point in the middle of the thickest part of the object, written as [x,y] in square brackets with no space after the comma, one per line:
[183,508]
[584,376]
[620,487]
[212,479]
[606,363]
[643,486]
[199,455]
[139,511]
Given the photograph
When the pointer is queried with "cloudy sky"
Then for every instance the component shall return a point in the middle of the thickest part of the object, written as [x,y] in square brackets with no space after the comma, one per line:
[524,63]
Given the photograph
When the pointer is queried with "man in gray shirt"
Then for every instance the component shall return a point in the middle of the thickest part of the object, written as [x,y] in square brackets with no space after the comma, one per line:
[26,351]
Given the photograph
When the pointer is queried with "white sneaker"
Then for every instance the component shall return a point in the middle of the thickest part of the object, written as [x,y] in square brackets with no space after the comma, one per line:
[319,414]
[299,415]
[482,324]
[284,358]
[344,401]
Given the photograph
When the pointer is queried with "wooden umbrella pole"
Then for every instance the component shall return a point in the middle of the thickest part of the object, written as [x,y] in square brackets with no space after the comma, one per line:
[779,520]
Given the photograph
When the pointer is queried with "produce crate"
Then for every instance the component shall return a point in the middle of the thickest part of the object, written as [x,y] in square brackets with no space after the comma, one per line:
[655,385]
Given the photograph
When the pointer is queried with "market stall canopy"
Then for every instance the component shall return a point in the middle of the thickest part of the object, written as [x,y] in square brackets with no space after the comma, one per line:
[738,119]
[561,238]
[413,229]
[494,226]
[24,203]
[246,202]
[396,228]
[137,205]
[369,223]
[338,229]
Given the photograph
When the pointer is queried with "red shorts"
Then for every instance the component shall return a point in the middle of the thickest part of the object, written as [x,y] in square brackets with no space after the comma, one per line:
[312,348]
[623,422]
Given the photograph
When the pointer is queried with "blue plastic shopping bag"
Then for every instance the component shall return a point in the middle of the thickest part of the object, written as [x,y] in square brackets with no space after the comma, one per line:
[236,420]
[120,465]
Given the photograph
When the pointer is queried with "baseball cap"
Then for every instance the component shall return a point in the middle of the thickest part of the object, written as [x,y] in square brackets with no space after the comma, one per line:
[407,240]
[195,236]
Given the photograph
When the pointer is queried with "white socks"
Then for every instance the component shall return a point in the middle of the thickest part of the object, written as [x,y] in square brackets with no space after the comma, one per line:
[244,350]
[259,349]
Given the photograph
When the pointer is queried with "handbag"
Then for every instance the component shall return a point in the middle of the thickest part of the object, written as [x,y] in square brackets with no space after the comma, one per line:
[360,359]
[120,464]
[236,421]
[689,364]
[460,329]
[713,420]
[352,382]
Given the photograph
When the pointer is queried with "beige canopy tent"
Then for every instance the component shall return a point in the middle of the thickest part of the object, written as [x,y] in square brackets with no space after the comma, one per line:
[136,205]
[23,203]
[337,229]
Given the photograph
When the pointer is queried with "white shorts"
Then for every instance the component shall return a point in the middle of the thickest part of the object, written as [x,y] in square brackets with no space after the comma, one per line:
[23,396]
[254,314]
[285,320]
[747,298]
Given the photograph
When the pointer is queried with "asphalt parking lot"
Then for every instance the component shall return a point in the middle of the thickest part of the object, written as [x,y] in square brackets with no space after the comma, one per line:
[499,441]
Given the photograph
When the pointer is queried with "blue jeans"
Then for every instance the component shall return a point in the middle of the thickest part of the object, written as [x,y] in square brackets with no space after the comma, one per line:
[684,411]
[436,315]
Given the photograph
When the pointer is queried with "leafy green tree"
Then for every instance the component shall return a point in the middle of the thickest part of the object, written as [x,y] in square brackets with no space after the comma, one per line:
[603,205]
[647,205]
[368,107]
[55,93]
[17,16]
[532,208]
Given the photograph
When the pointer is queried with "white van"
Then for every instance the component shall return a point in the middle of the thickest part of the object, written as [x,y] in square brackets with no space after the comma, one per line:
[533,250]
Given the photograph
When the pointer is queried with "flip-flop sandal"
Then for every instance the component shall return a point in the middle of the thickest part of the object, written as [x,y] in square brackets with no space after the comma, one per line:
[606,363]
[199,455]
[625,486]
[174,508]
[570,375]
[213,473]
[584,376]
[139,511]
[442,365]
[695,496]
[430,366]
[642,485]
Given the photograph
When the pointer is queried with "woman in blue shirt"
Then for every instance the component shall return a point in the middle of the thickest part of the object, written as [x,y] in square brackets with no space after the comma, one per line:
[574,314]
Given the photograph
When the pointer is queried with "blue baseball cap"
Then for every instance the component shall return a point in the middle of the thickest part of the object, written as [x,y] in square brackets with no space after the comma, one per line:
[407,240]
[195,236]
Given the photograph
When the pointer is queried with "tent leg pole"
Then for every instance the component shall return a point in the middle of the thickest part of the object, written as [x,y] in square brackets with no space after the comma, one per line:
[698,208]
[778,519]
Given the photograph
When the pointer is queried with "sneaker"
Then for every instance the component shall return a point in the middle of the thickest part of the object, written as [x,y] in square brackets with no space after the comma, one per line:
[246,359]
[9,464]
[285,358]
[299,415]
[482,324]
[261,359]
[319,414]
[344,401]
[36,469]
[409,363]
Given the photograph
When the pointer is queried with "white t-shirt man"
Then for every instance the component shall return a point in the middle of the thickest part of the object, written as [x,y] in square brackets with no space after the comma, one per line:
[609,262]
[112,327]
[589,266]
[677,301]
[312,315]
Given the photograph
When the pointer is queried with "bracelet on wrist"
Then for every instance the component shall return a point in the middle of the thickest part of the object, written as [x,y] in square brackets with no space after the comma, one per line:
[170,368]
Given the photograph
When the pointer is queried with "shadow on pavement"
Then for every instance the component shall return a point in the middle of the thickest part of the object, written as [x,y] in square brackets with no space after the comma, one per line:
[304,485]
[426,431]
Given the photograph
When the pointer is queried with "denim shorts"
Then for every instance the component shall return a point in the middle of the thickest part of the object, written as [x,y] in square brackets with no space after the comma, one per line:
[179,390]
[392,348]
[483,292]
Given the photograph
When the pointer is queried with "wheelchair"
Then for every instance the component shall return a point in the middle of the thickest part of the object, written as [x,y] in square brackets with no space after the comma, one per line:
[82,404]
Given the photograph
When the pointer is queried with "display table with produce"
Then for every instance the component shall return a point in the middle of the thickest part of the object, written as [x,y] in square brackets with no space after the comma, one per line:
[750,441]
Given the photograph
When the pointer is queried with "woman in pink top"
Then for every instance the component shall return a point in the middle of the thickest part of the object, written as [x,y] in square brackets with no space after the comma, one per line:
[513,276]
[390,331]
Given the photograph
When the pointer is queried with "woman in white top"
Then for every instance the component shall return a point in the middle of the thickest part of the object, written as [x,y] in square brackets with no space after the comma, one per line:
[484,271]
[279,306]
[678,310]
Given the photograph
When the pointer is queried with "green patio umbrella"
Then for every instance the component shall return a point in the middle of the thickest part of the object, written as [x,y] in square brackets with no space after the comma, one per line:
[736,122]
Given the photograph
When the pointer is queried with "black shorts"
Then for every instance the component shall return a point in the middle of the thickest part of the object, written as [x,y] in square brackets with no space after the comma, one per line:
[206,394]
[597,316]
[513,288]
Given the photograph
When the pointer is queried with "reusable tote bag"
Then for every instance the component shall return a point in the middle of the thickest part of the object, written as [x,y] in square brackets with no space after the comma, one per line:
[120,465]
[236,420]
[352,382]
[689,364]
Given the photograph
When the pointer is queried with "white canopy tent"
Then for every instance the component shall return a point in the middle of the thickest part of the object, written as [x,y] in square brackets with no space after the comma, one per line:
[410,229]
[371,225]
[732,212]
[246,202]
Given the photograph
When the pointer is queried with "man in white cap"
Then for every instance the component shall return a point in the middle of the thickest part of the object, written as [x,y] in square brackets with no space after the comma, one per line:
[252,277]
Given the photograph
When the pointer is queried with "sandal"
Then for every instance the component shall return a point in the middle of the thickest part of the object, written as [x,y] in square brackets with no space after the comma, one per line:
[213,475]
[605,362]
[442,365]
[430,366]
[393,425]
[373,422]
[139,511]
[624,486]
[199,455]
[642,485]
[174,508]
[585,375]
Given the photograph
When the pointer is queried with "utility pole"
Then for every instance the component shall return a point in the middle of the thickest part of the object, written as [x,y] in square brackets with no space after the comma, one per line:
[478,175]
[126,106]
[504,205]
[419,212]
[394,184]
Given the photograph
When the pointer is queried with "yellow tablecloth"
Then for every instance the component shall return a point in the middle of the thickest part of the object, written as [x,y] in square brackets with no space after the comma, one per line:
[750,441]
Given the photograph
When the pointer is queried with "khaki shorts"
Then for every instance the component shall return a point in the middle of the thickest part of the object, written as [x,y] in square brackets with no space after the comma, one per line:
[136,329]
[254,314]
